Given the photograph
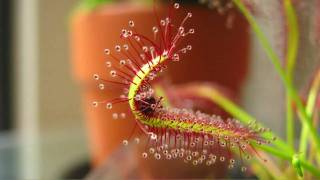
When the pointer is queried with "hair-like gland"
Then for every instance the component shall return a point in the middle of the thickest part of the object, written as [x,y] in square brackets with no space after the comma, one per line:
[173,133]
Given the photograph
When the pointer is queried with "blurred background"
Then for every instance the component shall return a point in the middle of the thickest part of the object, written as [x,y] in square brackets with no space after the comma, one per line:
[41,122]
[43,131]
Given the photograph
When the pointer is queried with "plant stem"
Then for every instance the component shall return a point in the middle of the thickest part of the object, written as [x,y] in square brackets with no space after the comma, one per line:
[305,118]
[312,97]
[292,51]
[290,122]
[293,37]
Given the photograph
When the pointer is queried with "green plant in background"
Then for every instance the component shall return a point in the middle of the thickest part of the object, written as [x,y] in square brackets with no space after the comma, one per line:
[286,74]
[300,159]
[91,4]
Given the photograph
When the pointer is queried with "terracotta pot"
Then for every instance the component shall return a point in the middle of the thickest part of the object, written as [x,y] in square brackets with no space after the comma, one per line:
[219,55]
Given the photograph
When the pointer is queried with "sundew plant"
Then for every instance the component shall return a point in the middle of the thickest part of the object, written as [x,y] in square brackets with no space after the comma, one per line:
[200,138]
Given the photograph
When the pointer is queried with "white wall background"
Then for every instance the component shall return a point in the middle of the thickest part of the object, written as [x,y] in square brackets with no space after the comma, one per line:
[48,110]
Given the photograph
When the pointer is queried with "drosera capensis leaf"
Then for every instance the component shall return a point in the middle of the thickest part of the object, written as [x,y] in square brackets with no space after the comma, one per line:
[193,136]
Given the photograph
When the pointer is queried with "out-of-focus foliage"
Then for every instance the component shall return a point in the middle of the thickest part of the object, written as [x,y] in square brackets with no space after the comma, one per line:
[91,4]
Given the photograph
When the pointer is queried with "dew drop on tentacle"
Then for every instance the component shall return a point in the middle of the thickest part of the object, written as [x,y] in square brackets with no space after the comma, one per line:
[189,158]
[152,150]
[165,152]
[96,77]
[107,51]
[195,162]
[157,156]
[113,73]
[125,142]
[122,62]
[137,140]
[176,5]
[145,49]
[209,162]
[174,156]
[232,161]
[154,136]
[222,144]
[192,144]
[124,32]
[183,50]
[191,31]
[117,48]
[137,38]
[144,155]
[168,156]
[101,86]
[176,57]
[155,29]
[203,157]
[126,47]
[109,105]
[163,22]
[131,23]
[222,158]
[194,154]
[108,64]
[181,30]
[95,104]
